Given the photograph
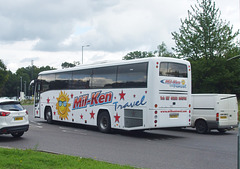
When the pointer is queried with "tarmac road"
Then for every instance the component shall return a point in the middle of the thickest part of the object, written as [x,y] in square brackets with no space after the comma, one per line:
[157,149]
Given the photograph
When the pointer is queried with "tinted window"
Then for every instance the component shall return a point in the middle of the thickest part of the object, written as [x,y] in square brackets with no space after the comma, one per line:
[124,76]
[104,77]
[63,80]
[11,106]
[81,79]
[47,82]
[132,75]
[172,69]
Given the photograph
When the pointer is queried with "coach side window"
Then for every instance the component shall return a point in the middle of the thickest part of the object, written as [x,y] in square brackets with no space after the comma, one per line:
[104,77]
[82,79]
[47,82]
[132,75]
[63,80]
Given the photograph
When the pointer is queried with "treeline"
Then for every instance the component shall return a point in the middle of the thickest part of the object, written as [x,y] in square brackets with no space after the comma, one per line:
[13,83]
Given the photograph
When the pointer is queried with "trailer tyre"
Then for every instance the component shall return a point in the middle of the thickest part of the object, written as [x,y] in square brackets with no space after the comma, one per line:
[104,122]
[201,126]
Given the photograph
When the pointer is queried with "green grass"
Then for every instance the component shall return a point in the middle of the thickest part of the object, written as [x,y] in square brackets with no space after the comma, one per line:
[28,159]
[27,102]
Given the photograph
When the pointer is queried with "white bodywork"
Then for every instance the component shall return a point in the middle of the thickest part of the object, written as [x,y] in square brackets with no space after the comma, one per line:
[16,121]
[219,111]
[164,102]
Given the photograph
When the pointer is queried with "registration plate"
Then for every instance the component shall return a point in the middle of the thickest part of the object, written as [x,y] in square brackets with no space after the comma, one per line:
[173,115]
[223,117]
[18,118]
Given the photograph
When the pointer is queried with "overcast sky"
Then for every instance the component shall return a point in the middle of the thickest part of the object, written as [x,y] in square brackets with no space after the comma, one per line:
[50,32]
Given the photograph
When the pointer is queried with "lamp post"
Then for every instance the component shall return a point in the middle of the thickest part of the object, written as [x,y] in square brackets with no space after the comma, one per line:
[21,83]
[82,51]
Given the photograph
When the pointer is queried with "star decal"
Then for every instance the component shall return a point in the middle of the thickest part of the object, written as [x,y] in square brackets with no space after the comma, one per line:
[48,100]
[122,95]
[117,117]
[92,115]
[81,116]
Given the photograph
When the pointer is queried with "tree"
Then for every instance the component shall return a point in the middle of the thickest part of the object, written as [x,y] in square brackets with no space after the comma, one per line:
[3,75]
[137,55]
[207,42]
[13,84]
[67,64]
[203,34]
[163,52]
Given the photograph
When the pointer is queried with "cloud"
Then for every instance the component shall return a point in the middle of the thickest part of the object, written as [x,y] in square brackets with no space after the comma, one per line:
[29,60]
[52,32]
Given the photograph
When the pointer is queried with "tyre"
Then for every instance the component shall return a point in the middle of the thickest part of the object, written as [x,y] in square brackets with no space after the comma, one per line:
[201,126]
[17,134]
[49,115]
[222,130]
[104,122]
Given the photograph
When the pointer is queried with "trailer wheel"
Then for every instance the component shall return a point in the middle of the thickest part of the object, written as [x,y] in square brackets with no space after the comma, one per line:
[48,115]
[201,126]
[104,122]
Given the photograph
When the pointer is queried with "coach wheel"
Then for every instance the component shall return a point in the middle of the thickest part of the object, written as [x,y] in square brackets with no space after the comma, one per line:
[104,122]
[17,134]
[201,126]
[49,115]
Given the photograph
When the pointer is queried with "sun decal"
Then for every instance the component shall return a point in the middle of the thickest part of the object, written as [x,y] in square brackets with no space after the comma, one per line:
[62,105]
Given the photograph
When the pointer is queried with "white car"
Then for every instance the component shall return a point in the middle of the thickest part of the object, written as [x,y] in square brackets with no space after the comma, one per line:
[13,118]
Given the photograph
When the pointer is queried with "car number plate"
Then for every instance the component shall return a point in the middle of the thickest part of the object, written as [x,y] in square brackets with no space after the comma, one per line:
[173,115]
[223,117]
[18,118]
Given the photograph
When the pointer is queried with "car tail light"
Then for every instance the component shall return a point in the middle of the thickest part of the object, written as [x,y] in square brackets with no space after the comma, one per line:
[217,117]
[4,113]
[26,112]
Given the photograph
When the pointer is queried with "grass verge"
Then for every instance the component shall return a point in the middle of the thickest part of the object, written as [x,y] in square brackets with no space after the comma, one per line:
[27,102]
[25,159]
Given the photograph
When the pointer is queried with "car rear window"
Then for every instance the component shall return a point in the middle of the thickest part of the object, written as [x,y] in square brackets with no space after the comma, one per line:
[11,106]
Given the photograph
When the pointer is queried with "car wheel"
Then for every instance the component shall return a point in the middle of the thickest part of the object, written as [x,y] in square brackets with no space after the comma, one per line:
[17,134]
[104,122]
[201,126]
[49,116]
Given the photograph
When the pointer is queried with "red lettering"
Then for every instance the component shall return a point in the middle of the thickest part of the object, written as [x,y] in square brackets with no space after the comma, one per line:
[173,98]
[168,81]
[182,98]
[162,98]
[84,101]
[108,97]
[101,99]
[94,99]
[77,102]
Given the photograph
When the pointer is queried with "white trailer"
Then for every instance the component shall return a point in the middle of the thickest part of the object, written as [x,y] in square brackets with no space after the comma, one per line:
[214,111]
